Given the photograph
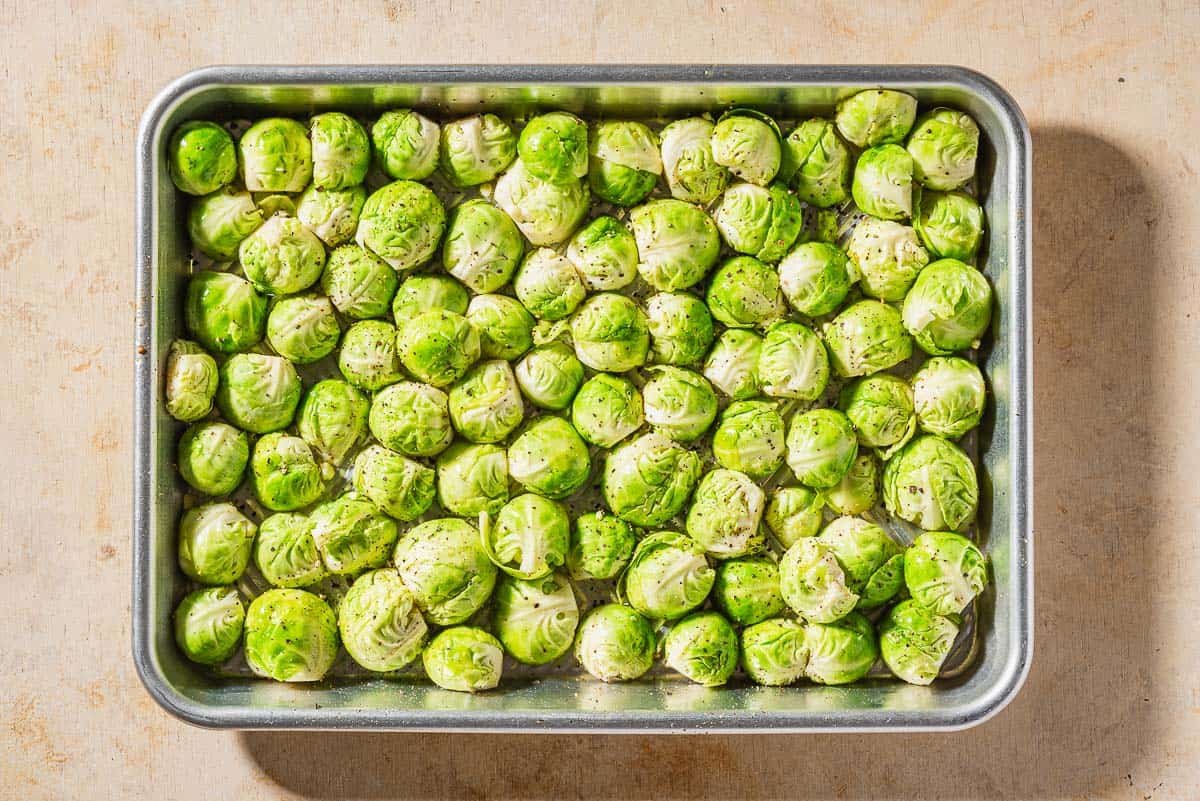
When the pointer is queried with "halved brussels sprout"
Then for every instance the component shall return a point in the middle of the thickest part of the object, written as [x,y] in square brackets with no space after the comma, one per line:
[749,145]
[821,446]
[258,393]
[303,329]
[438,346]
[606,410]
[333,419]
[693,175]
[214,543]
[887,256]
[950,224]
[402,223]
[212,457]
[703,647]
[218,222]
[948,308]
[201,157]
[732,364]
[872,561]
[476,149]
[759,221]
[624,162]
[819,163]
[677,243]
[883,183]
[554,147]
[341,151]
[679,402]
[359,283]
[276,156]
[747,590]
[402,488]
[944,572]
[876,117]
[792,363]
[549,376]
[286,553]
[774,652]
[208,624]
[949,396]
[483,246]
[725,514]
[282,257]
[821,225]
[332,214]
[505,327]
[418,294]
[351,534]
[881,409]
[814,278]
[472,479]
[548,286]
[284,473]
[549,458]
[667,577]
[745,293]
[381,627]
[858,491]
[291,635]
[486,405]
[648,480]
[535,619]
[601,546]
[841,652]
[224,312]
[530,537]
[681,328]
[464,659]
[813,582]
[931,482]
[615,643]
[369,357]
[605,254]
[443,564]
[943,146]
[547,213]
[191,383]
[865,338]
[914,642]
[794,513]
[750,438]
[406,144]
[610,333]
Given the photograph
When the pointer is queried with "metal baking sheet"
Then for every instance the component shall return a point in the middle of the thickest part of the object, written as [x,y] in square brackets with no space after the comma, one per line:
[990,662]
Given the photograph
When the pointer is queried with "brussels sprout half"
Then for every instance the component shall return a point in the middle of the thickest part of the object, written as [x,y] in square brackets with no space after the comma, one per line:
[725,514]
[931,482]
[914,642]
[819,163]
[258,393]
[333,419]
[876,117]
[530,537]
[201,157]
[472,479]
[208,624]
[214,543]
[402,223]
[224,312]
[944,572]
[381,627]
[443,565]
[406,144]
[775,652]
[794,513]
[401,487]
[359,283]
[887,256]
[601,546]
[703,647]
[476,149]
[535,619]
[549,458]
[284,473]
[623,162]
[218,222]
[865,338]
[610,333]
[821,446]
[679,402]
[667,577]
[547,213]
[747,590]
[483,246]
[291,635]
[464,659]
[191,383]
[814,278]
[606,410]
[750,438]
[948,308]
[605,254]
[303,329]
[276,156]
[677,243]
[615,643]
[681,328]
[949,396]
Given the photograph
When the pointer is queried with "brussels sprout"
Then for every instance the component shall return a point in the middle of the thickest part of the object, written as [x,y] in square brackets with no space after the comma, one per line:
[192,379]
[442,563]
[732,364]
[554,147]
[725,514]
[819,163]
[549,458]
[276,156]
[681,328]
[303,329]
[948,308]
[949,396]
[438,346]
[214,543]
[759,221]
[693,175]
[943,146]
[286,553]
[750,438]
[359,284]
[201,157]
[792,363]
[604,254]
[821,225]
[535,619]
[813,582]
[745,293]
[876,117]
[667,577]
[872,561]
[950,224]
[615,643]
[749,145]
[486,405]
[865,338]
[549,376]
[601,546]
[406,144]
[858,491]
[794,513]
[505,328]
[648,480]
[381,627]
[703,647]
[944,572]
[679,402]
[841,652]
[881,409]
[610,333]
[402,488]
[821,446]
[341,151]
[747,590]
[548,286]
[476,149]
[333,419]
[606,410]
[271,205]
[472,479]
[677,243]
[212,457]
[369,357]
[883,183]
[291,635]
[208,624]
[284,473]
[464,659]
[814,278]
[623,162]
[282,257]
[887,256]
[258,393]
[547,213]
[418,294]
[218,222]
[483,246]
[530,537]
[351,534]
[914,642]
[332,214]
[402,223]
[224,312]
[774,652]
[932,483]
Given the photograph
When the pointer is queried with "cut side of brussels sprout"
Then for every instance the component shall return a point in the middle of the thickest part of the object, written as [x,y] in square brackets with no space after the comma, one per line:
[359,283]
[679,402]
[443,565]
[615,643]
[693,175]
[276,156]
[792,363]
[948,308]
[750,438]
[352,535]
[192,378]
[814,278]
[535,619]
[483,246]
[201,157]
[291,635]
[703,647]
[303,329]
[401,487]
[406,144]
[681,329]
[258,393]
[821,446]
[549,458]
[464,659]
[476,149]
[931,482]
[472,479]
[610,333]
[677,243]
[725,514]
[381,627]
[286,553]
[214,543]
[333,419]
[887,256]
[606,410]
[332,214]
[208,624]
[402,223]
[601,546]
[530,537]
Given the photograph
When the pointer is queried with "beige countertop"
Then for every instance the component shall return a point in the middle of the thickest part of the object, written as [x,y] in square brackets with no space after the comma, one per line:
[1112,707]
